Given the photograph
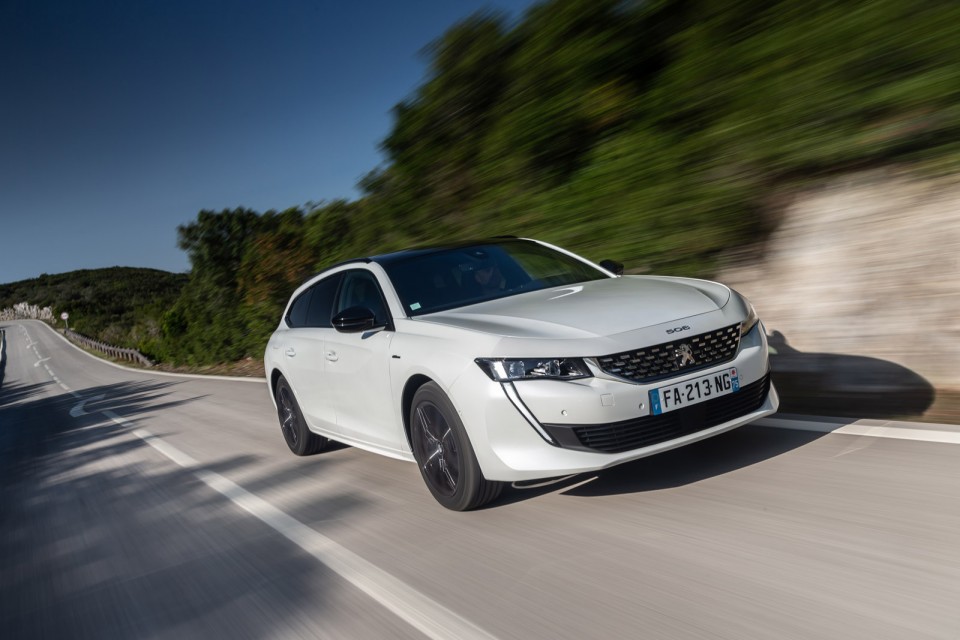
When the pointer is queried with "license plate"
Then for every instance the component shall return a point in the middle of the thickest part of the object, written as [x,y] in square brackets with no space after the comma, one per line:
[684,394]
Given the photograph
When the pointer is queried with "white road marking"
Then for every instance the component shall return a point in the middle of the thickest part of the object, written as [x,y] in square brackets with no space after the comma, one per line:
[417,609]
[858,429]
[41,360]
[78,409]
[853,447]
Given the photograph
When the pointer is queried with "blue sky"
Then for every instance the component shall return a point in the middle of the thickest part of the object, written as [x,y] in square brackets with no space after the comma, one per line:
[120,120]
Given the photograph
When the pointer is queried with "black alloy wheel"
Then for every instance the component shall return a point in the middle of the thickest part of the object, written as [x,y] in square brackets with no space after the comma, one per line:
[437,447]
[442,450]
[297,435]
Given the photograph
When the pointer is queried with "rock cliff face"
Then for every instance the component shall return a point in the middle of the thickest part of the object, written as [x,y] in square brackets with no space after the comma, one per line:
[867,265]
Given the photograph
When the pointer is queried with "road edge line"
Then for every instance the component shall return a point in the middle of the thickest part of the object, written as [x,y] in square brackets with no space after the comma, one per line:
[948,434]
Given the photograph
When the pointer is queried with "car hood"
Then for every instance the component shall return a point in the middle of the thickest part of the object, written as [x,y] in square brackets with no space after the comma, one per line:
[590,309]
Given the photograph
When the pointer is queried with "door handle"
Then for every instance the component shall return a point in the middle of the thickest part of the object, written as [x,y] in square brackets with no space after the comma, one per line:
[332,356]
[291,352]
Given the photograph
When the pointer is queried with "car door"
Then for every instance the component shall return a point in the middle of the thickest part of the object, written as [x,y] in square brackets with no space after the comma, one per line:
[358,367]
[303,350]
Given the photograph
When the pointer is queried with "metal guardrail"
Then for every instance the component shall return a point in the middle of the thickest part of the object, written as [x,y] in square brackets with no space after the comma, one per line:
[114,352]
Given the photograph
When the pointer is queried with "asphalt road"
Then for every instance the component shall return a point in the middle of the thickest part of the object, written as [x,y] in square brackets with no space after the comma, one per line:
[138,505]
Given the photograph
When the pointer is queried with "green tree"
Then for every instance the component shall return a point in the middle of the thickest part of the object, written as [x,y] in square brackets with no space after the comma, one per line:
[650,131]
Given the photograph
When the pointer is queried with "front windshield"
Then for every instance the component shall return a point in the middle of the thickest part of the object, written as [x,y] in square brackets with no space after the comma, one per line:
[461,276]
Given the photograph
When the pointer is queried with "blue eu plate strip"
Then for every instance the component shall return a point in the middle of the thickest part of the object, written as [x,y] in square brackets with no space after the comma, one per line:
[655,407]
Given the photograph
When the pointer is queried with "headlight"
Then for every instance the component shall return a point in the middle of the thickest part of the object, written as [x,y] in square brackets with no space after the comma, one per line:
[508,369]
[750,321]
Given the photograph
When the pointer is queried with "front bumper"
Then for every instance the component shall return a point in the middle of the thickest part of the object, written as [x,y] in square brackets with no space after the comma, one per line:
[649,430]
[544,428]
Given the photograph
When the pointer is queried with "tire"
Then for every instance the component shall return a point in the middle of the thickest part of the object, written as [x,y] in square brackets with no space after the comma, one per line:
[298,437]
[444,455]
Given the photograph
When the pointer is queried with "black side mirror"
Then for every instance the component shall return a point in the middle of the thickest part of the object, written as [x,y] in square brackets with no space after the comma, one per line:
[354,319]
[613,266]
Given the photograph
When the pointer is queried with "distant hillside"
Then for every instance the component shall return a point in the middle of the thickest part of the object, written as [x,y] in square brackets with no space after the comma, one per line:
[119,305]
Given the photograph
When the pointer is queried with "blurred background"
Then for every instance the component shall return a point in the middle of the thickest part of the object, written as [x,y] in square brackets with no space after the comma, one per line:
[807,153]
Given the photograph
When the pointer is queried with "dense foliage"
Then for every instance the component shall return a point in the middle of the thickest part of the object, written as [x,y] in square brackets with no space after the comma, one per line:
[119,305]
[654,132]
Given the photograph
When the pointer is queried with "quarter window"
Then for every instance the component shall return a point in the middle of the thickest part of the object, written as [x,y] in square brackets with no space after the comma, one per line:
[297,316]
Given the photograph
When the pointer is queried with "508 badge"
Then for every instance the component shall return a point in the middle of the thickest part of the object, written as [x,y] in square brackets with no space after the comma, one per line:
[678,329]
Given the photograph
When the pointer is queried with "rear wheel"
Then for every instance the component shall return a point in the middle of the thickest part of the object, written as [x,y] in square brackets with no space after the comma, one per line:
[299,438]
[443,452]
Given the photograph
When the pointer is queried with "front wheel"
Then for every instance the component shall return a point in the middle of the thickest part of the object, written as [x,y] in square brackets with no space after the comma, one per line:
[442,450]
[299,438]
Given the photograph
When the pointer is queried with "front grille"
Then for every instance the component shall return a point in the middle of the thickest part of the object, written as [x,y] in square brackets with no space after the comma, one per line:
[662,360]
[616,437]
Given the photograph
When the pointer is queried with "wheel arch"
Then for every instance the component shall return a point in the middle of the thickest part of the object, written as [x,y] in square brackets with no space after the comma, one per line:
[413,383]
[275,375]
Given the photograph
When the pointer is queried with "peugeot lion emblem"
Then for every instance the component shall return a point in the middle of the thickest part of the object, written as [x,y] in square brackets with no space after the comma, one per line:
[684,355]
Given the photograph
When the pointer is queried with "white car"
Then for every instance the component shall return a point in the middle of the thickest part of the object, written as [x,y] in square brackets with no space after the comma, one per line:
[511,360]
